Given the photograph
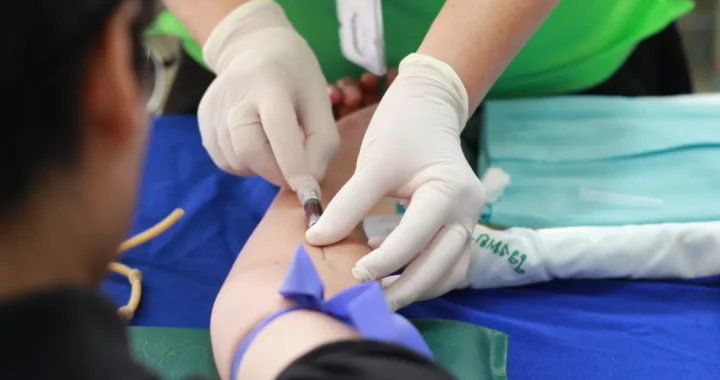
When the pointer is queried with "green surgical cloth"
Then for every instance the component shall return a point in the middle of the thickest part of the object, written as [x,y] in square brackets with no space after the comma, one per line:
[470,352]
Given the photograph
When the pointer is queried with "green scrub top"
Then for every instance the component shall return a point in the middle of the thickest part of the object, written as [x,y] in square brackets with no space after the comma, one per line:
[579,46]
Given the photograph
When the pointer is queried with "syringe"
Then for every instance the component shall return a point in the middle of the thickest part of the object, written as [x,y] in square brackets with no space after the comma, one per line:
[310,199]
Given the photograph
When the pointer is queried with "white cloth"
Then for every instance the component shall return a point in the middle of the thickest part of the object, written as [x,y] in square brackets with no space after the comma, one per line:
[411,150]
[521,256]
[268,80]
[496,181]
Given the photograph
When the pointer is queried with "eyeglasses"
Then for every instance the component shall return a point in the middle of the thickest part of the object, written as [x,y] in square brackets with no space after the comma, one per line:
[154,79]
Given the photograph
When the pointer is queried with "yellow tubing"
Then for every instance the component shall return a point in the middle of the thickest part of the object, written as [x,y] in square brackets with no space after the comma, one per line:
[133,275]
[152,232]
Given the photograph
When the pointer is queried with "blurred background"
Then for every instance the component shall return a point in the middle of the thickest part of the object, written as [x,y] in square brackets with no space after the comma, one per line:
[701,39]
[700,32]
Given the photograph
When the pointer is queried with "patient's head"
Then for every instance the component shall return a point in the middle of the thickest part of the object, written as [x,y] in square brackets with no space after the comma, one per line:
[70,167]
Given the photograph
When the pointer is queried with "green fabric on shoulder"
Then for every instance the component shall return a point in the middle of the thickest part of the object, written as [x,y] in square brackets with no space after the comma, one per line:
[579,46]
[470,352]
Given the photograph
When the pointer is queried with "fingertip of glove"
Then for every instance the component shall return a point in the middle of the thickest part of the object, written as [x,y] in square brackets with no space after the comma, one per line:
[375,242]
[395,305]
[361,274]
[399,297]
[317,235]
[387,281]
[312,236]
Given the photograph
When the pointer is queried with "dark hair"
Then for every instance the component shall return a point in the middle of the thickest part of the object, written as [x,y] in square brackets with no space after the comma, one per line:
[45,59]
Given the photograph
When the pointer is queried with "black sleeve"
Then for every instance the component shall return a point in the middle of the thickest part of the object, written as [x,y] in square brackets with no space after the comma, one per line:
[363,360]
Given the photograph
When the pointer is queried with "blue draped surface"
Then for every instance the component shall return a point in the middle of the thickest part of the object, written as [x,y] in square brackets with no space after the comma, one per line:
[561,330]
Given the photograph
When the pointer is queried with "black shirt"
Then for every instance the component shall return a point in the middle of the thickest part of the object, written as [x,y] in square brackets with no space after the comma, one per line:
[66,334]
[76,334]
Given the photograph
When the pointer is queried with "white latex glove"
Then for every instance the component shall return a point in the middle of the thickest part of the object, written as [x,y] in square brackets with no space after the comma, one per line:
[455,279]
[268,80]
[521,256]
[411,150]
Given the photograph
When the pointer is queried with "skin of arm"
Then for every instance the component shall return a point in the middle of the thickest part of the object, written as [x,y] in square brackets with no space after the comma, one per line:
[201,16]
[479,38]
[250,292]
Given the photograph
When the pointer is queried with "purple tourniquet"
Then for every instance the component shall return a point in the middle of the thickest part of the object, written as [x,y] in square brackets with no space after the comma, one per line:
[361,307]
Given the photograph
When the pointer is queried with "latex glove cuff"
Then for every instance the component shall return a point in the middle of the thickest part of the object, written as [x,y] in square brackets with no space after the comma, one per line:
[245,20]
[421,67]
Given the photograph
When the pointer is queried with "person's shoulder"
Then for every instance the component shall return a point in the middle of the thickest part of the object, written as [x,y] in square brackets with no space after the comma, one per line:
[67,334]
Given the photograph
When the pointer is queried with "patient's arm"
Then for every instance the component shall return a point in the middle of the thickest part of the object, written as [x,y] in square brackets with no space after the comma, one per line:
[250,293]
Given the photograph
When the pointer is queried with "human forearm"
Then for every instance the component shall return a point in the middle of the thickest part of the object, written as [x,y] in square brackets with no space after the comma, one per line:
[201,16]
[479,38]
[250,293]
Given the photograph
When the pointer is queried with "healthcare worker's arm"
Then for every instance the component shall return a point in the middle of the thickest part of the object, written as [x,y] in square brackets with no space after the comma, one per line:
[479,38]
[412,147]
[267,112]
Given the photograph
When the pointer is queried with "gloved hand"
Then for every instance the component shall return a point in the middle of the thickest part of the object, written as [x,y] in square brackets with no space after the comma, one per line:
[455,279]
[268,80]
[411,150]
